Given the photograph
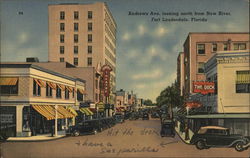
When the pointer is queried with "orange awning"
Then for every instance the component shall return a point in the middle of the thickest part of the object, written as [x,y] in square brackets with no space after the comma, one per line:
[62,87]
[8,81]
[52,85]
[69,88]
[81,91]
[64,112]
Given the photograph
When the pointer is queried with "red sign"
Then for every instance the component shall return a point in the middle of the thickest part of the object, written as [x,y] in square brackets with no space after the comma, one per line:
[203,87]
[106,69]
[193,104]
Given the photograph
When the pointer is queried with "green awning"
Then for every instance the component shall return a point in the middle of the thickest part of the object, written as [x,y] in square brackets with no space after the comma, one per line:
[219,116]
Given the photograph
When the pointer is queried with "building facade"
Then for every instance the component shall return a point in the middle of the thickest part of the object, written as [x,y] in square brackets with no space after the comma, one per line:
[83,35]
[229,106]
[199,47]
[180,72]
[35,99]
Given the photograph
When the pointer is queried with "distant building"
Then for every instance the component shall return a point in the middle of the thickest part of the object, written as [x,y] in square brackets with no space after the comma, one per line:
[199,47]
[83,35]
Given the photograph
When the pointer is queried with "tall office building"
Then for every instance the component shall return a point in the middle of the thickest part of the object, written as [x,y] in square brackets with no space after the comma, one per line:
[83,35]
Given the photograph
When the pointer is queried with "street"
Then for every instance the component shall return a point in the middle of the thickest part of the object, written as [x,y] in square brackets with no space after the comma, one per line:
[139,138]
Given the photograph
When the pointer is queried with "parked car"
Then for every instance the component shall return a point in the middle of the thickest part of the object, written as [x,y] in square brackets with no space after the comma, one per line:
[215,136]
[167,128]
[85,127]
[119,118]
[155,115]
[145,116]
[134,116]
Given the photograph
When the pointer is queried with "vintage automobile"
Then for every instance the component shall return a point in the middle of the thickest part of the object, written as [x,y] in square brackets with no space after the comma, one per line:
[119,118]
[85,127]
[167,128]
[215,136]
[145,116]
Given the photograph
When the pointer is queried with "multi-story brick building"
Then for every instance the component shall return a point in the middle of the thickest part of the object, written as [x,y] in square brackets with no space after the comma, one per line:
[83,35]
[199,47]
[180,72]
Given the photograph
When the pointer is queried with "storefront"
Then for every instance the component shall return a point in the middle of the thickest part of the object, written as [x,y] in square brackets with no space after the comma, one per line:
[8,120]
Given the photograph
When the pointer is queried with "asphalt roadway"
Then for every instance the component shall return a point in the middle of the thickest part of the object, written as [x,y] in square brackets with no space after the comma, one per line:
[139,138]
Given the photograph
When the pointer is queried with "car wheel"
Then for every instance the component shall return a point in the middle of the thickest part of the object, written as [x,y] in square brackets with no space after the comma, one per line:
[95,132]
[239,146]
[200,145]
[76,133]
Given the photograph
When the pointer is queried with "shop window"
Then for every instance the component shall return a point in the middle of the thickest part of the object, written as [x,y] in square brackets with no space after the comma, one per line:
[200,67]
[214,47]
[62,15]
[89,26]
[239,46]
[89,49]
[75,26]
[200,48]
[66,93]
[61,49]
[36,89]
[243,81]
[243,88]
[90,14]
[76,15]
[48,90]
[58,92]
[9,89]
[26,119]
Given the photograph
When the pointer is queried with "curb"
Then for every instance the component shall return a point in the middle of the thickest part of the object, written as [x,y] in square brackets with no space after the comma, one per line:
[38,140]
[181,138]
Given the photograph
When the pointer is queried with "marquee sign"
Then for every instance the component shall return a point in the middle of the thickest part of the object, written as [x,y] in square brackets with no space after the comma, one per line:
[203,87]
[106,69]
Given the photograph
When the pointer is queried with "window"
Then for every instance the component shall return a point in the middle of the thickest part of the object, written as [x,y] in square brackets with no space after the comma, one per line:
[62,38]
[61,59]
[61,49]
[79,96]
[89,49]
[62,27]
[36,89]
[226,46]
[89,26]
[9,89]
[48,90]
[243,81]
[75,49]
[214,47]
[62,15]
[58,92]
[89,61]
[66,93]
[89,37]
[90,14]
[76,61]
[239,46]
[200,67]
[76,15]
[96,97]
[75,38]
[75,26]
[73,93]
[96,84]
[201,48]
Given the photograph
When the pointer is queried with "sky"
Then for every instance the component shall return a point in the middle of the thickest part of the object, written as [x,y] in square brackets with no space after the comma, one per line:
[146,50]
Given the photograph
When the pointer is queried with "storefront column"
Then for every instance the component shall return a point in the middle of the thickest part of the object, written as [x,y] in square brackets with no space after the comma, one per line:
[55,120]
[66,123]
[19,120]
[73,121]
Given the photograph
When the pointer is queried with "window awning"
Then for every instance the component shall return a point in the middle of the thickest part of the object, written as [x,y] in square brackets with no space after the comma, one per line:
[40,82]
[62,87]
[219,116]
[48,111]
[52,85]
[86,111]
[69,88]
[81,91]
[72,111]
[93,110]
[8,81]
[243,77]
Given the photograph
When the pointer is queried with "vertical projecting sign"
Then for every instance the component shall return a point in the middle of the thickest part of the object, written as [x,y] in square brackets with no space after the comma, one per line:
[106,69]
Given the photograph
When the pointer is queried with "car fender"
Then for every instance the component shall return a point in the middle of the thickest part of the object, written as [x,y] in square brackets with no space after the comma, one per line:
[236,141]
[198,139]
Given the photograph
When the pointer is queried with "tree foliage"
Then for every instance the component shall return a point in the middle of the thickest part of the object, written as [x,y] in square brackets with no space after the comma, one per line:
[148,102]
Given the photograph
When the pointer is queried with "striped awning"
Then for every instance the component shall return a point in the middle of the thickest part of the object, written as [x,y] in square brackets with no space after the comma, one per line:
[40,82]
[8,81]
[70,109]
[52,85]
[70,89]
[48,111]
[81,91]
[86,111]
[243,77]
[62,87]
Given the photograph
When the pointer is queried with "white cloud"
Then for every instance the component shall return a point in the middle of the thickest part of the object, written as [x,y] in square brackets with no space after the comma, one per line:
[161,31]
[126,36]
[157,73]
[141,29]
[23,38]
[140,86]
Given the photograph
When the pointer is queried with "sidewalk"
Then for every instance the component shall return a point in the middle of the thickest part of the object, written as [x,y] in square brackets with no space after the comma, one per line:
[42,137]
[182,134]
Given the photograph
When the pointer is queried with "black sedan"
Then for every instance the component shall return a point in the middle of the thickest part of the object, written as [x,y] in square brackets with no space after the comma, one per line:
[215,136]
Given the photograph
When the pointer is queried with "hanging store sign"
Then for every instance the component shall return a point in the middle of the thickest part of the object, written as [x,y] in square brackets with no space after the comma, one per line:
[106,69]
[203,87]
